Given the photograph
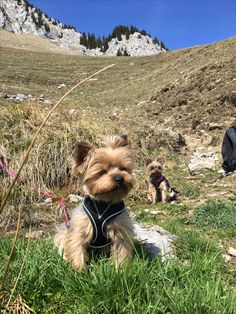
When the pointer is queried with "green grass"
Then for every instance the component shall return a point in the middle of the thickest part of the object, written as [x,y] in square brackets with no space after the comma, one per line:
[142,91]
[193,283]
[197,281]
[216,215]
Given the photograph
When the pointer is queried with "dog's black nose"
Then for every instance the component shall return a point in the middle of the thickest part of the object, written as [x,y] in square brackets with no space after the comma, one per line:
[119,180]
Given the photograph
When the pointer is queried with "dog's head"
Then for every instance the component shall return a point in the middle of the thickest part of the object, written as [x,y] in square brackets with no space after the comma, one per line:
[154,168]
[106,171]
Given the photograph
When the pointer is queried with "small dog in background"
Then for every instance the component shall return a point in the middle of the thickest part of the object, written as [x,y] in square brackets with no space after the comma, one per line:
[102,220]
[159,189]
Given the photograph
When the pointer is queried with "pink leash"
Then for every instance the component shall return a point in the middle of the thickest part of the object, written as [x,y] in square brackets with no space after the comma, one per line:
[40,191]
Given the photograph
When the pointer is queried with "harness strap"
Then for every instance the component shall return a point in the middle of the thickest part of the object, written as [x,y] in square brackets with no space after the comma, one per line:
[157,181]
[100,214]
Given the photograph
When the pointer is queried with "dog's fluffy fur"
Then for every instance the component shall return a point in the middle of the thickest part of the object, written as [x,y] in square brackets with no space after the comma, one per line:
[159,189]
[99,168]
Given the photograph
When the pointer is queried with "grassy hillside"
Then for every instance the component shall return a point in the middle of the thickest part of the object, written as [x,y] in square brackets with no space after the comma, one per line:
[30,42]
[187,81]
[182,91]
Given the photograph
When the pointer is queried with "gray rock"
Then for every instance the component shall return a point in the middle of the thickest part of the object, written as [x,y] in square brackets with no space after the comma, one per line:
[215,126]
[75,198]
[227,258]
[48,102]
[41,97]
[61,86]
[20,97]
[155,240]
[136,45]
[73,112]
[37,234]
[232,251]
[233,97]
[4,95]
[200,162]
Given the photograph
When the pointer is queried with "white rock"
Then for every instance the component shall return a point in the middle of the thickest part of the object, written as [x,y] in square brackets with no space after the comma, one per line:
[227,258]
[136,45]
[41,97]
[215,126]
[232,251]
[20,97]
[141,102]
[155,212]
[75,198]
[48,200]
[73,112]
[156,240]
[37,234]
[200,162]
[61,86]
[47,102]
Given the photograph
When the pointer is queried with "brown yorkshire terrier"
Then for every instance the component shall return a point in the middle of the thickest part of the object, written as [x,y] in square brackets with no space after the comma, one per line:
[101,221]
[159,189]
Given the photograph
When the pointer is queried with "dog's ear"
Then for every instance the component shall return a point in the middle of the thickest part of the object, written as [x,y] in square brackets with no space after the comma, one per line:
[80,153]
[117,141]
[148,161]
[160,159]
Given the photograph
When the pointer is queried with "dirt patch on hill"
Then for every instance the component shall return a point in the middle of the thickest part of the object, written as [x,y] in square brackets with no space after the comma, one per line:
[170,105]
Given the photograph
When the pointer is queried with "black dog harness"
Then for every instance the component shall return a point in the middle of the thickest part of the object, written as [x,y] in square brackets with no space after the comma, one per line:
[100,214]
[157,181]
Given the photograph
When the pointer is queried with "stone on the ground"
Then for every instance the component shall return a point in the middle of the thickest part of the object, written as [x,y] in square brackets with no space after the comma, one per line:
[61,86]
[75,198]
[227,258]
[37,234]
[152,212]
[47,102]
[155,240]
[48,200]
[200,162]
[41,97]
[73,112]
[21,97]
[232,251]
[215,126]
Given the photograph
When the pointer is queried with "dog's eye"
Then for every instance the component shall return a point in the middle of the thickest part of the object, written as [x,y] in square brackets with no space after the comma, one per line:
[123,169]
[102,172]
[151,168]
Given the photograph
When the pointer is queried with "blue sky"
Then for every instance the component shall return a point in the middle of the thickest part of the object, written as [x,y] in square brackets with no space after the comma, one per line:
[178,23]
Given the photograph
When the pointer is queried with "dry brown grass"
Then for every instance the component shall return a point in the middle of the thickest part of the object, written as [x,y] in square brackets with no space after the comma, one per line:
[49,162]
[16,306]
[31,42]
[137,97]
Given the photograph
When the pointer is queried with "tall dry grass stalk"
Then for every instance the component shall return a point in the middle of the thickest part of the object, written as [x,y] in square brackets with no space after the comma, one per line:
[39,130]
[25,159]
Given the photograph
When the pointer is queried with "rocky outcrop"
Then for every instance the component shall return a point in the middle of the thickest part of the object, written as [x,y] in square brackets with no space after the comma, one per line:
[19,16]
[136,45]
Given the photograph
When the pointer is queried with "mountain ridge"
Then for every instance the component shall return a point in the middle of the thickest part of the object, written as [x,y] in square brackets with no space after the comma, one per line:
[19,16]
